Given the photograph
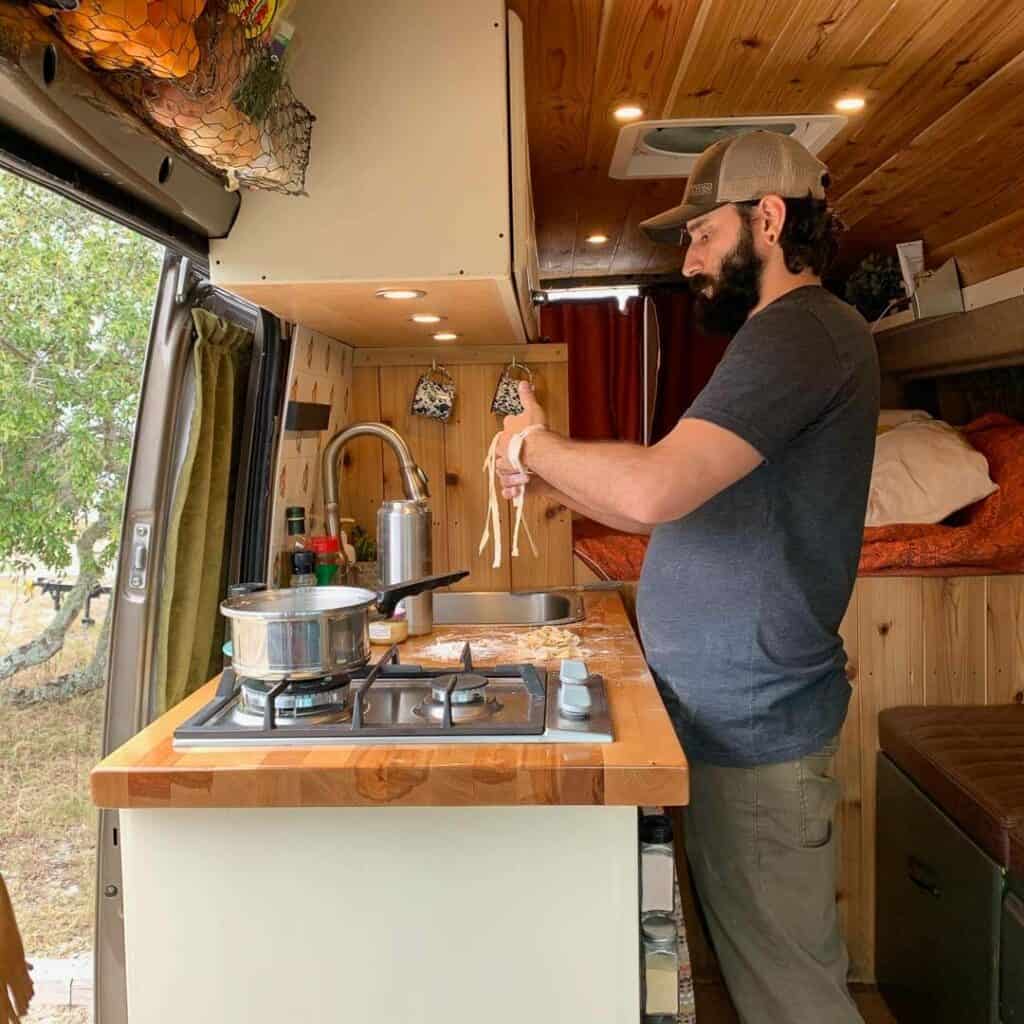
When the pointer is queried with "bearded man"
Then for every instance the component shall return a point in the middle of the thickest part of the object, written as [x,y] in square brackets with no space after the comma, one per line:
[755,504]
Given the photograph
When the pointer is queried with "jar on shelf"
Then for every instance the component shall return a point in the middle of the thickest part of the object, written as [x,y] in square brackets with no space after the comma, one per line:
[328,559]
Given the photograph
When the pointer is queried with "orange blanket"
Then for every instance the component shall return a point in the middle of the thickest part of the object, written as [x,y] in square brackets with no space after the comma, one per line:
[987,537]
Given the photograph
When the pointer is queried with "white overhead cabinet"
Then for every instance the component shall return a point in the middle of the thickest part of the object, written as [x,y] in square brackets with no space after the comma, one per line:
[418,179]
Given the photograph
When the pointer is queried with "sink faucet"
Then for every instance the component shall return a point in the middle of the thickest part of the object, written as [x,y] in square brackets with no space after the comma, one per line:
[414,480]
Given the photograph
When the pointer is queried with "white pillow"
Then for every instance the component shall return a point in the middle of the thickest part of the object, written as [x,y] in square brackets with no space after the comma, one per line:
[924,470]
[889,418]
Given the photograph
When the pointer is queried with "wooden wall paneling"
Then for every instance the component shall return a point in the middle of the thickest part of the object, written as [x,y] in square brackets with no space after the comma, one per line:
[953,616]
[850,896]
[909,94]
[550,524]
[469,434]
[361,478]
[639,49]
[935,166]
[891,672]
[987,252]
[426,440]
[1005,640]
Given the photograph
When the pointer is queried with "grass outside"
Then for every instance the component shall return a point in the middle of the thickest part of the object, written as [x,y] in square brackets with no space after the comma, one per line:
[47,822]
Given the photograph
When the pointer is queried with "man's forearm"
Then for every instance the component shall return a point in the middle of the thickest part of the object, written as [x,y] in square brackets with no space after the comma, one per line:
[601,479]
[541,488]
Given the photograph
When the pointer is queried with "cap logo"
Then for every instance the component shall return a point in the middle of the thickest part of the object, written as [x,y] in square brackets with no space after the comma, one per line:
[702,188]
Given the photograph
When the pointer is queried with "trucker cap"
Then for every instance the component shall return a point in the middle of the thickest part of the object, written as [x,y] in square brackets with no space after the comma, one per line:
[739,169]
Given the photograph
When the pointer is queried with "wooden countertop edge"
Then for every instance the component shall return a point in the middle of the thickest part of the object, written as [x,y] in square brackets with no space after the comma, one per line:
[591,786]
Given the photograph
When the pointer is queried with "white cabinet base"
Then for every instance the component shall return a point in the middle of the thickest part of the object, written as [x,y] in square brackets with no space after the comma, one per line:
[450,915]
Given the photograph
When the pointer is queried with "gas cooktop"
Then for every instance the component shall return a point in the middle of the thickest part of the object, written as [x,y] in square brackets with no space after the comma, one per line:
[389,702]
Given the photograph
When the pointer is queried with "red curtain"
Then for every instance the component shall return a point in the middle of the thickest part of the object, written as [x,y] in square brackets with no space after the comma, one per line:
[688,357]
[605,368]
[606,363]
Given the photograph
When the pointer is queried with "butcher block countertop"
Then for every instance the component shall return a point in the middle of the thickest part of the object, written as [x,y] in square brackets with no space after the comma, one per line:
[643,766]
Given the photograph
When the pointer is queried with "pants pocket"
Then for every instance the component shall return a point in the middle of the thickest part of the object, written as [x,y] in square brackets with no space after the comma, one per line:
[819,794]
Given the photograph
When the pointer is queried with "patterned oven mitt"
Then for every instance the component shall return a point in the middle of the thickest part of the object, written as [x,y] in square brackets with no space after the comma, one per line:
[434,396]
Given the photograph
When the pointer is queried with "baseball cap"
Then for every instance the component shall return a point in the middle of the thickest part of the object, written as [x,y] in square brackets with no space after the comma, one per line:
[739,169]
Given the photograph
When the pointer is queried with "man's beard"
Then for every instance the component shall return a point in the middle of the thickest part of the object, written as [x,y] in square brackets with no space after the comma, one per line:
[735,292]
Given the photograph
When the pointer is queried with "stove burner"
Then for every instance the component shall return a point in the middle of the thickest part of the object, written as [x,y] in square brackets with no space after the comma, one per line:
[469,688]
[299,699]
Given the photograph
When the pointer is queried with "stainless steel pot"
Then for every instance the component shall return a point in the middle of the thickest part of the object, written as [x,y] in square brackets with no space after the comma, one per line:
[307,632]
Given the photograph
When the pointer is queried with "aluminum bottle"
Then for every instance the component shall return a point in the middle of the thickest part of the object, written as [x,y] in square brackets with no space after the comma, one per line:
[403,553]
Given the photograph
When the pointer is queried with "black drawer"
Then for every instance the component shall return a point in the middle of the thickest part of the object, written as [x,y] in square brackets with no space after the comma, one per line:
[937,908]
[1011,961]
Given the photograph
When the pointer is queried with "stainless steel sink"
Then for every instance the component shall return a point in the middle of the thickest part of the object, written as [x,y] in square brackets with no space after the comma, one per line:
[458,608]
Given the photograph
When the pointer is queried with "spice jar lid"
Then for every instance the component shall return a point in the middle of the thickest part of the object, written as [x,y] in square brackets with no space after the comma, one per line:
[324,545]
[656,828]
[659,931]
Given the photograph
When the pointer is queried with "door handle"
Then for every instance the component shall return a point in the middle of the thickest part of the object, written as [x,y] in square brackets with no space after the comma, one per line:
[923,877]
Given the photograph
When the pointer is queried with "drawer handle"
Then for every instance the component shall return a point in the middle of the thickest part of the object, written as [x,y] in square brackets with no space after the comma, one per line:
[920,874]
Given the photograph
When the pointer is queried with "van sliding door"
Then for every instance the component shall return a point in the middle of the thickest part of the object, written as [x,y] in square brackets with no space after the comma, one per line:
[165,407]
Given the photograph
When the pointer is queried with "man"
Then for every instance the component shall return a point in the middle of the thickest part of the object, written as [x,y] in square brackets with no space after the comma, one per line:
[755,503]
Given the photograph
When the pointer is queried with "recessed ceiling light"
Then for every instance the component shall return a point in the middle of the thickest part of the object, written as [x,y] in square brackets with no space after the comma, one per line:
[629,112]
[850,103]
[445,336]
[426,318]
[400,293]
[597,239]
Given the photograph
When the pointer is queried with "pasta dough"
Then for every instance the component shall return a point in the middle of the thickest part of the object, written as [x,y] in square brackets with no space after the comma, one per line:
[550,643]
[492,522]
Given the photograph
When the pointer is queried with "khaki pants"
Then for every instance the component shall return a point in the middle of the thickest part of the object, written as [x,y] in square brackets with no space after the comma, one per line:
[759,842]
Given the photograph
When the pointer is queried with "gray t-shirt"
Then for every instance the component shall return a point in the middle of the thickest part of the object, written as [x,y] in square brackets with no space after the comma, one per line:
[740,601]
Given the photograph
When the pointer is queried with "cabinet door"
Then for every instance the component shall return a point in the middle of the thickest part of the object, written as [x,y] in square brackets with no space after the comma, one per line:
[938,898]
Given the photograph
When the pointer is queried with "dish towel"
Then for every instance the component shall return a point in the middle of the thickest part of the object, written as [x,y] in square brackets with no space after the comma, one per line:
[492,520]
[16,988]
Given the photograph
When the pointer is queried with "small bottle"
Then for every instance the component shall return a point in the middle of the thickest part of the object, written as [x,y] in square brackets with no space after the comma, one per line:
[296,540]
[661,967]
[657,864]
[328,559]
[303,569]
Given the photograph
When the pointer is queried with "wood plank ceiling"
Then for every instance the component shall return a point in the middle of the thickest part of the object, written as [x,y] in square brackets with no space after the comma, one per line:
[936,153]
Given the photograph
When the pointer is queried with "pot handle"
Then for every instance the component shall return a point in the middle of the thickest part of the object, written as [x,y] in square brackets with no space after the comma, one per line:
[388,597]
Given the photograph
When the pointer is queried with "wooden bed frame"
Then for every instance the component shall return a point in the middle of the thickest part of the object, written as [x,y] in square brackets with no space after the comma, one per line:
[931,639]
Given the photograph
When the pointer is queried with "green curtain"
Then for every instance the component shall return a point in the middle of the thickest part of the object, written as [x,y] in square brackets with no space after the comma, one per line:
[190,628]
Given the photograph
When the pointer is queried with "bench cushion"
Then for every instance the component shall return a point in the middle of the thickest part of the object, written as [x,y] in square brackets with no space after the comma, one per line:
[970,761]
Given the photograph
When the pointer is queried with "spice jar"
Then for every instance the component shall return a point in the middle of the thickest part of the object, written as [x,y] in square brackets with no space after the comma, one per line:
[303,569]
[657,864]
[661,965]
[328,559]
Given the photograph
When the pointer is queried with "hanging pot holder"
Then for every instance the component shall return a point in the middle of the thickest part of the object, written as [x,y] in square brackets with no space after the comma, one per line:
[506,397]
[434,396]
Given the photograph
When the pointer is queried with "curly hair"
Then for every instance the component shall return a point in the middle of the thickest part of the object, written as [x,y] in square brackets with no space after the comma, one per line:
[810,235]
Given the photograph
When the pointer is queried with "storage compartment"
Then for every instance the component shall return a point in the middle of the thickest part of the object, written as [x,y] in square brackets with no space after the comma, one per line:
[418,181]
[1011,957]
[938,909]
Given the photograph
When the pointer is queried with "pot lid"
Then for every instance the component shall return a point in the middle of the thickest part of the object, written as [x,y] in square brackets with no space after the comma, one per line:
[297,603]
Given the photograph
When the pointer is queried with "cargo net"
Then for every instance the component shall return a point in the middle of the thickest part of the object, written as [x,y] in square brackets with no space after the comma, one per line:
[205,77]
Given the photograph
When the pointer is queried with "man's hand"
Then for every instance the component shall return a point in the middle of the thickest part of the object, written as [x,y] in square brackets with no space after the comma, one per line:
[531,415]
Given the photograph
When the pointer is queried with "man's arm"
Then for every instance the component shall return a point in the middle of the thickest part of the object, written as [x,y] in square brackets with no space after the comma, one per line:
[647,486]
[542,489]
